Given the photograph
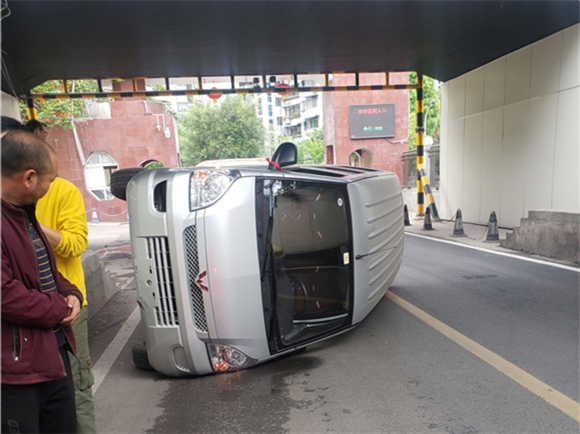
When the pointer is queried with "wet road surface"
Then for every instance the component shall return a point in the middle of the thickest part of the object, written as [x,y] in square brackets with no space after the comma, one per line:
[393,373]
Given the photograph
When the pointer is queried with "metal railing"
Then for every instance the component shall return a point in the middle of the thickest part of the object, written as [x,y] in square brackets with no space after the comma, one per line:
[431,167]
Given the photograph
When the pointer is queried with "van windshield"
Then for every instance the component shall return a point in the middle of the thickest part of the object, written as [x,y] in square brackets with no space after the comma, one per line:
[309,260]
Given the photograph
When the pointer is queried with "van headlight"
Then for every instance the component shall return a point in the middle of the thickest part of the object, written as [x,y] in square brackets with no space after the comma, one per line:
[207,186]
[226,358]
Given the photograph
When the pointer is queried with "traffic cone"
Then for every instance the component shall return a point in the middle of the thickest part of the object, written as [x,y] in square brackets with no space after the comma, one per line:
[406,212]
[427,223]
[458,228]
[95,219]
[492,233]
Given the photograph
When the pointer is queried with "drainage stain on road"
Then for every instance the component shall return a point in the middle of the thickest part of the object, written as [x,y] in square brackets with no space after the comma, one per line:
[253,400]
[480,276]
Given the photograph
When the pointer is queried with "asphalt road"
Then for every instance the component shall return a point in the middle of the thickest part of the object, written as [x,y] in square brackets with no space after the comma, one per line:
[394,373]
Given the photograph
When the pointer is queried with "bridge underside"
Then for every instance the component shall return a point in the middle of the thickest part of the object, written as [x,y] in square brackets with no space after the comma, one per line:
[45,40]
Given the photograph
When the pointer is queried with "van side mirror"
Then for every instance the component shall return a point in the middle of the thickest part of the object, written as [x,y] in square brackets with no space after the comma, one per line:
[285,155]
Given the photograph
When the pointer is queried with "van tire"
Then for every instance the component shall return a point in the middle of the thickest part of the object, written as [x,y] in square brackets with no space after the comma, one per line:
[140,358]
[119,180]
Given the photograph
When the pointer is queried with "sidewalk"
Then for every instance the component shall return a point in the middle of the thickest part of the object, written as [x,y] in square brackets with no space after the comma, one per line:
[107,263]
[475,237]
[106,236]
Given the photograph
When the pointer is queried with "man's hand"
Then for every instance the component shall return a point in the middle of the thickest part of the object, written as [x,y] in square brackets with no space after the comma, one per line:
[53,236]
[74,310]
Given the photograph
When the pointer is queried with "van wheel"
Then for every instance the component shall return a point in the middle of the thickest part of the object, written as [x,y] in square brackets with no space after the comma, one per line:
[140,358]
[119,180]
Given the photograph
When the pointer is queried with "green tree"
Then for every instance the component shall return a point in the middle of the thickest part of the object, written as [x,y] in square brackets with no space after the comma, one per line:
[56,111]
[431,92]
[311,150]
[211,131]
[154,165]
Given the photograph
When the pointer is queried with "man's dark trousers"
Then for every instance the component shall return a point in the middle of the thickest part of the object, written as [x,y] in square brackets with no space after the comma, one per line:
[47,407]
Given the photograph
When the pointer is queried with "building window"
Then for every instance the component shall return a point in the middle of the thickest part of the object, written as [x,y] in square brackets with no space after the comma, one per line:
[269,98]
[270,113]
[98,170]
[272,122]
[292,111]
[279,121]
[294,130]
[259,110]
[278,102]
[311,102]
[311,123]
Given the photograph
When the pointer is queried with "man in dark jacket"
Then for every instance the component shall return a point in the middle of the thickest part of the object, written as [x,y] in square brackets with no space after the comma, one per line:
[38,304]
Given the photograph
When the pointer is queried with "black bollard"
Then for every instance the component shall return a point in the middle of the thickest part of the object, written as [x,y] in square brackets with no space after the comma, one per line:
[427,225]
[492,233]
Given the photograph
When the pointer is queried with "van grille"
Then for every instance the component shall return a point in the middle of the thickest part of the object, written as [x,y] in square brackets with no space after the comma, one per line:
[190,235]
[166,309]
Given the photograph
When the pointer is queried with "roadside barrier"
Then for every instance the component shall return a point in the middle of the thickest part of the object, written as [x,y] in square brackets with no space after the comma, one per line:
[458,228]
[492,232]
[406,213]
[95,218]
[427,225]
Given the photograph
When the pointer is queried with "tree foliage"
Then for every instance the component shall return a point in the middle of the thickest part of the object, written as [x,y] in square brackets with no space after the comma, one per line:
[211,131]
[311,150]
[59,111]
[430,92]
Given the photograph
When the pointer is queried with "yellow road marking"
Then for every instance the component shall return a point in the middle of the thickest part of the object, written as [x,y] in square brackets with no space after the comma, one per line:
[544,391]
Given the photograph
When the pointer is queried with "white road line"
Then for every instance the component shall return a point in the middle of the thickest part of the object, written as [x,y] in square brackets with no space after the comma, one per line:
[495,252]
[105,362]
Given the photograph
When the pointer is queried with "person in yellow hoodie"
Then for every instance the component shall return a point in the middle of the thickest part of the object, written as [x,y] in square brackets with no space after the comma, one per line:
[62,216]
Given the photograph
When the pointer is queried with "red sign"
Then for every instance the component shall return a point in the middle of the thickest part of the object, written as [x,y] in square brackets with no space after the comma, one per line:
[215,97]
[282,85]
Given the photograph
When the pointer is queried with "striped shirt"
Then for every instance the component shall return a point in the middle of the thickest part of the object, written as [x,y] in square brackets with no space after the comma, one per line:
[47,282]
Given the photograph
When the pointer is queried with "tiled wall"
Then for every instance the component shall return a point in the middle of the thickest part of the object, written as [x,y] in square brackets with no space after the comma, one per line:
[509,134]
[130,135]
[387,153]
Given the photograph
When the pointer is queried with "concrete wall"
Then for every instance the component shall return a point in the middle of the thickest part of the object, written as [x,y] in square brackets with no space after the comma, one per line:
[509,134]
[554,234]
[10,106]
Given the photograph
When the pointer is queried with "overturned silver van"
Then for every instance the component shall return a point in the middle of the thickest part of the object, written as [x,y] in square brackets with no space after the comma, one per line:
[238,265]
